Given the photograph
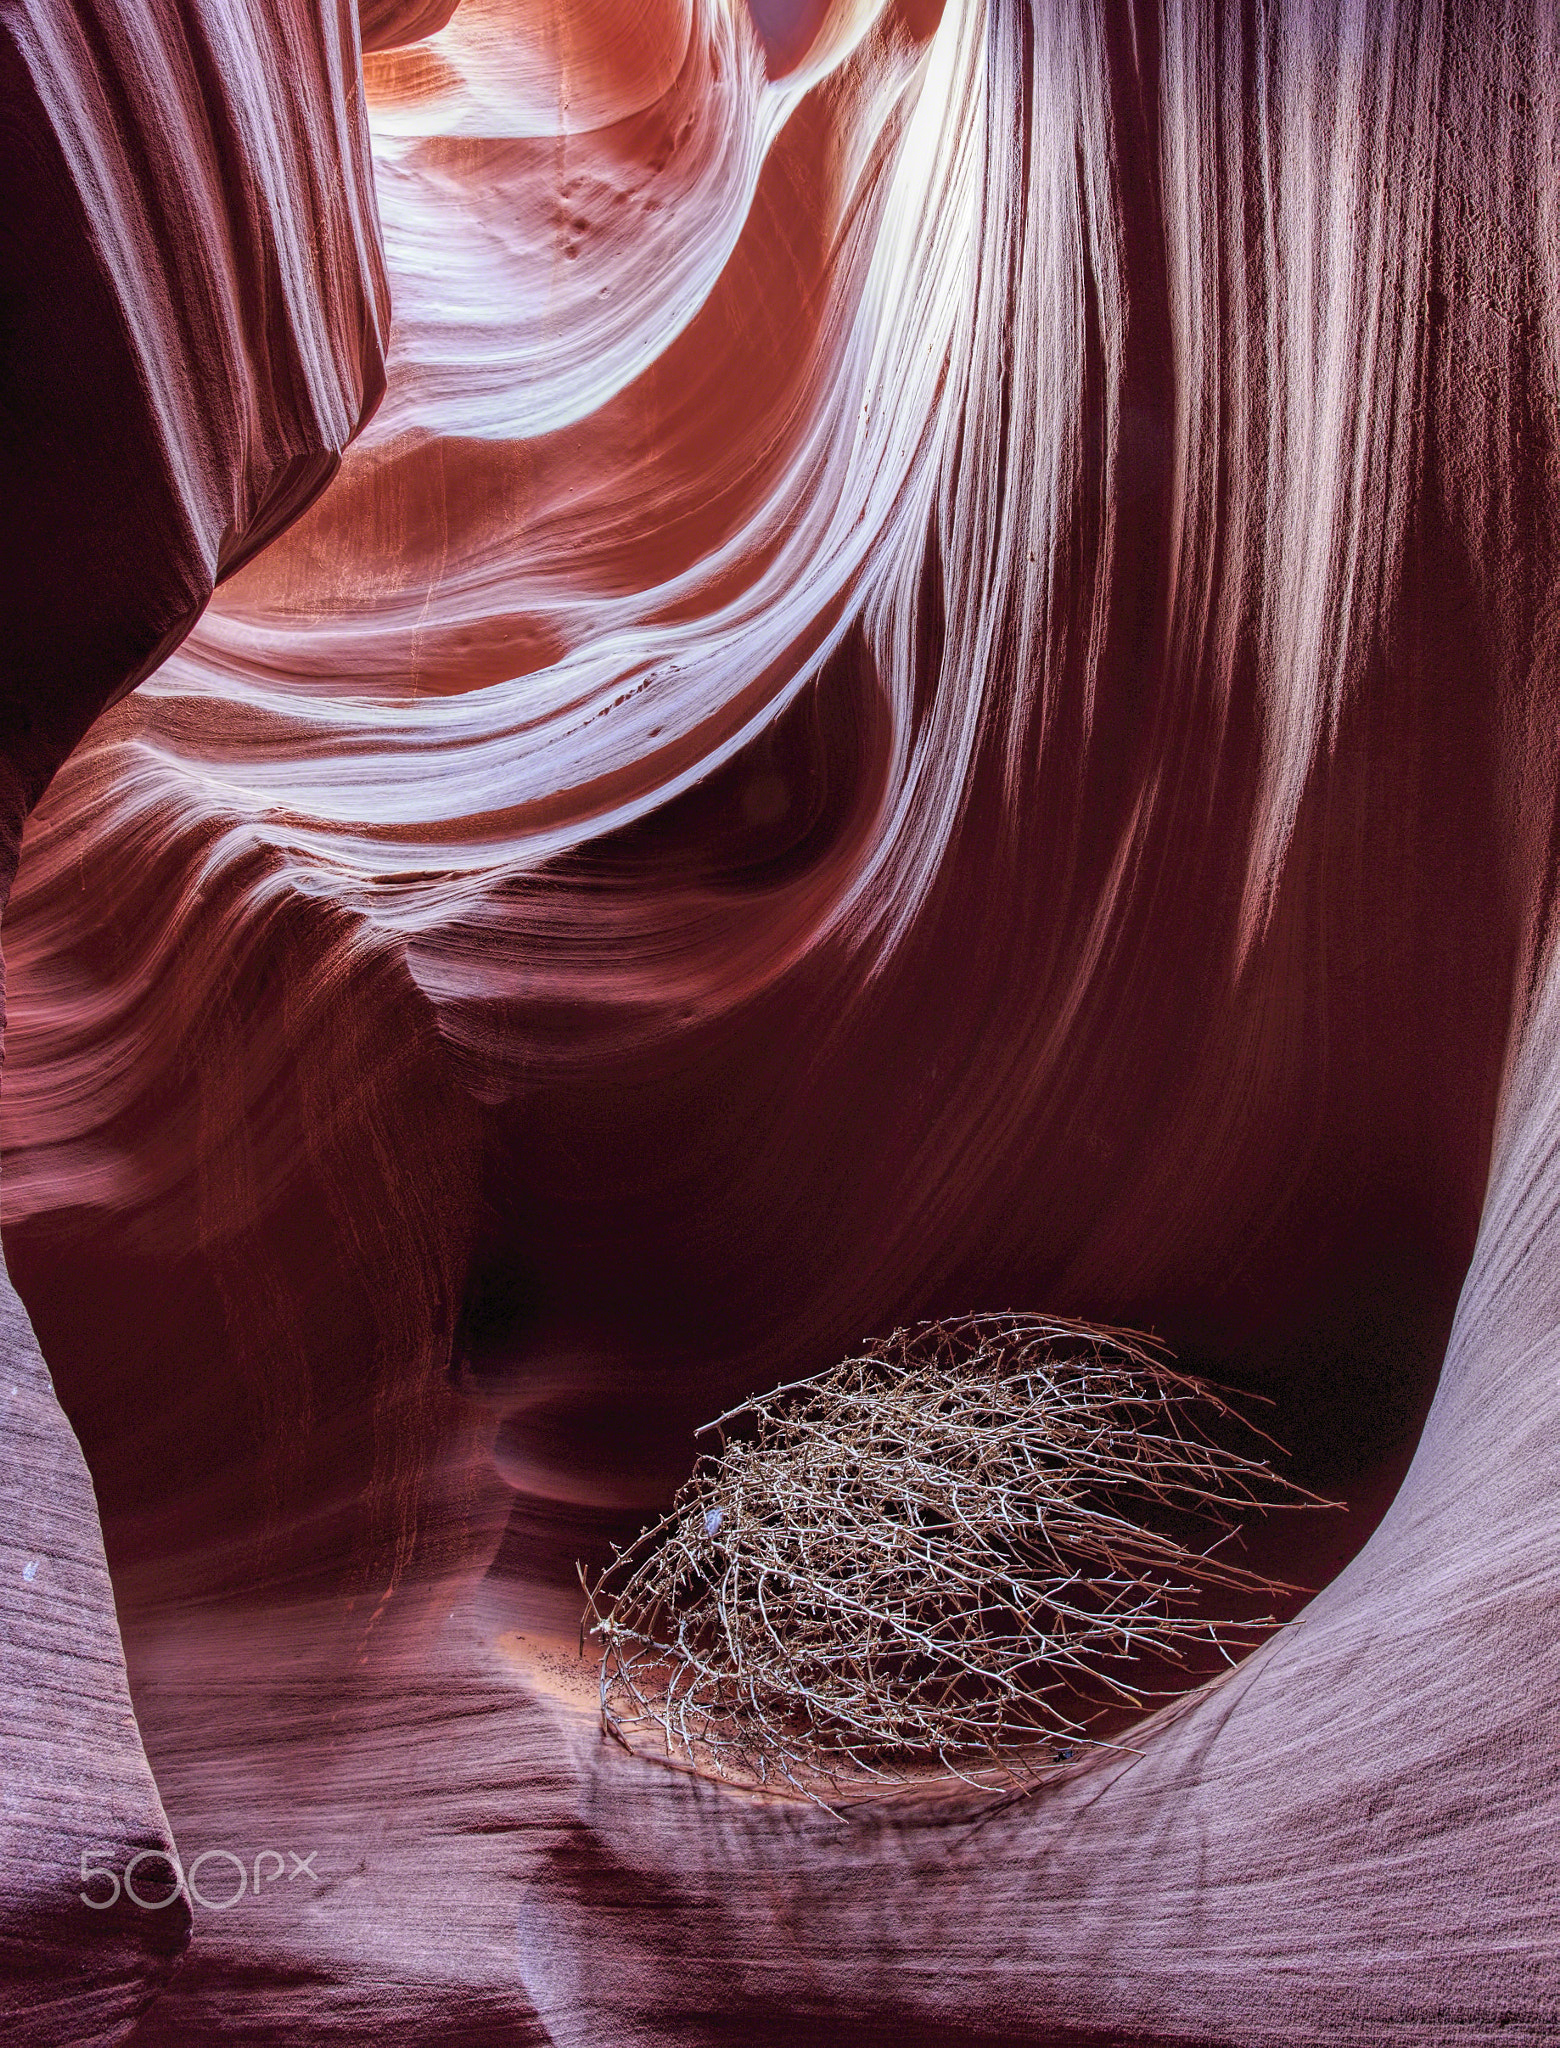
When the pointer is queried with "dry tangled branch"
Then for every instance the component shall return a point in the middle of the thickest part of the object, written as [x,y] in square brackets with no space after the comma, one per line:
[948,1550]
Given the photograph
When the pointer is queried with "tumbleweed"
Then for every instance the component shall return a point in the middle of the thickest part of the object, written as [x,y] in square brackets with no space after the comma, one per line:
[956,1549]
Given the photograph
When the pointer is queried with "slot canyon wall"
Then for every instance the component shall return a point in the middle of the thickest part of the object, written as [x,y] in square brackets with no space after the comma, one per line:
[686,680]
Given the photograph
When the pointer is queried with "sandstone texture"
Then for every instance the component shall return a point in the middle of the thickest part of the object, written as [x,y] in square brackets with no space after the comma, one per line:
[687,680]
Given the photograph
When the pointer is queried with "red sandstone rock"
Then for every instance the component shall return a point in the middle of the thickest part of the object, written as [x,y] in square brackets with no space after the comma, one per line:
[193,317]
[934,687]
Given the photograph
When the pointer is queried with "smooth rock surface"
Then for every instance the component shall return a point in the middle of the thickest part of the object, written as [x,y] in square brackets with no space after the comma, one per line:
[935,687]
[191,322]
[78,1794]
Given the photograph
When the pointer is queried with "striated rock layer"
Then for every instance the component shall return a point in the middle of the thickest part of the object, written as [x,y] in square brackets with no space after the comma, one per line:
[192,314]
[935,686]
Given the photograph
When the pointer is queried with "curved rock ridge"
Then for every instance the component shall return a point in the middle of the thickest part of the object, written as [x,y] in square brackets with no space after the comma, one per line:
[77,1962]
[192,321]
[194,185]
[934,687]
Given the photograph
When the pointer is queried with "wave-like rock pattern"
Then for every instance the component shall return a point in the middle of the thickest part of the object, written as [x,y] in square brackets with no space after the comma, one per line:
[192,315]
[934,686]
